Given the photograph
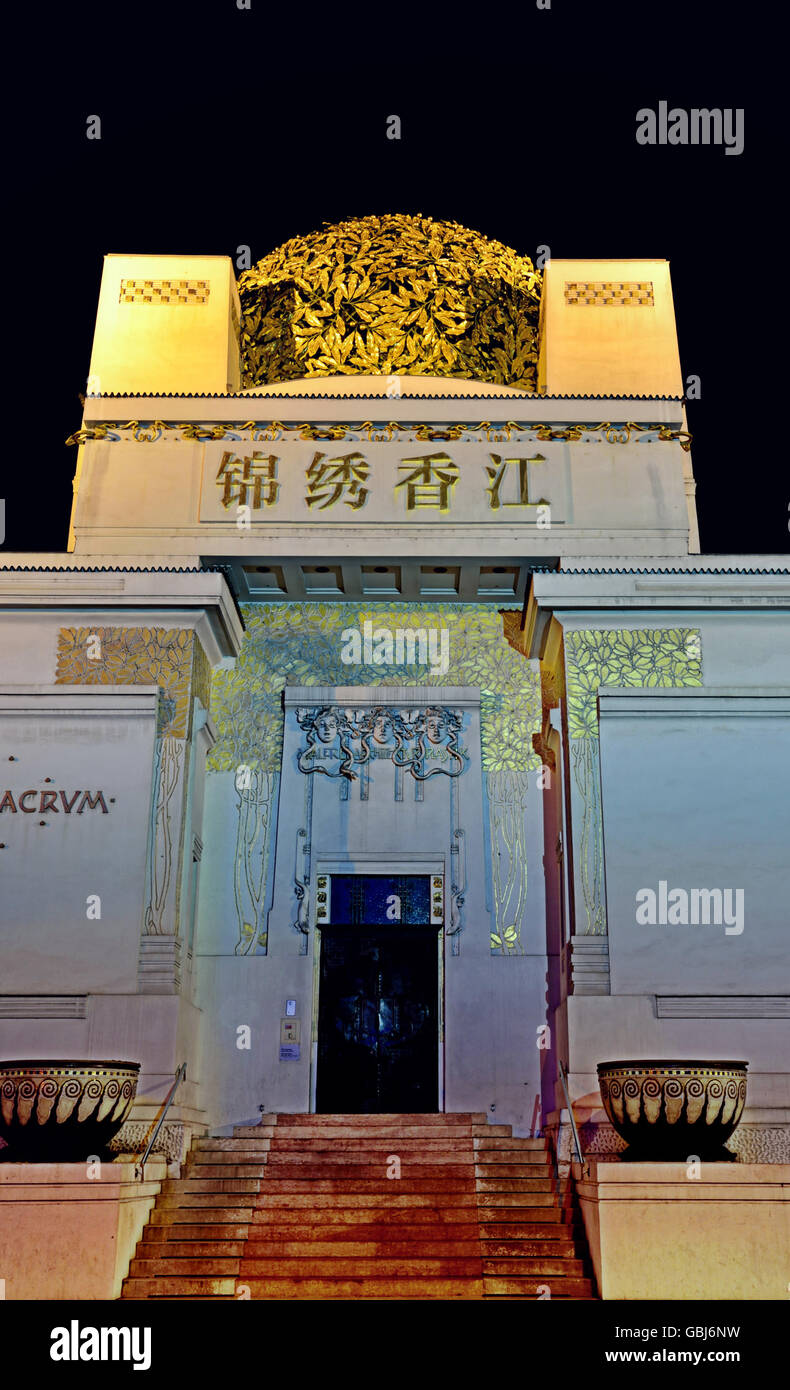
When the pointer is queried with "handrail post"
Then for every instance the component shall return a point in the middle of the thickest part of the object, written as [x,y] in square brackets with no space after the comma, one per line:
[574,1131]
[139,1170]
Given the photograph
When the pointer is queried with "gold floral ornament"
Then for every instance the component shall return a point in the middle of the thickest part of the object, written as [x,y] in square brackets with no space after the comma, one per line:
[391,295]
[301,643]
[642,657]
[168,657]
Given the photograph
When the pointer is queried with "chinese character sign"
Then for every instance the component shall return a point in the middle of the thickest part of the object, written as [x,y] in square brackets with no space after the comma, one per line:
[381,482]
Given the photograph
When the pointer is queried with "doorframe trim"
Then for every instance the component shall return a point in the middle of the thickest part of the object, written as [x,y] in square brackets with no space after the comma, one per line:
[341,863]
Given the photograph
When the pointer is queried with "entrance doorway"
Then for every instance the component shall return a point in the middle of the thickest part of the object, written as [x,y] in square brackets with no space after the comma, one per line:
[378,1034]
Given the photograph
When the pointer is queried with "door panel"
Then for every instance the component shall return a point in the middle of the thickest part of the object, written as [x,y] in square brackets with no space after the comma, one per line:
[378,1020]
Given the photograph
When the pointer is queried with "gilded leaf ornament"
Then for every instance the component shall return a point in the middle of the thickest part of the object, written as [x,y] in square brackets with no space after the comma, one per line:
[171,658]
[391,295]
[645,657]
[300,643]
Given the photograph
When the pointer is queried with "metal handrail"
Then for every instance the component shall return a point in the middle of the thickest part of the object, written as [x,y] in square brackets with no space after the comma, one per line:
[139,1171]
[574,1130]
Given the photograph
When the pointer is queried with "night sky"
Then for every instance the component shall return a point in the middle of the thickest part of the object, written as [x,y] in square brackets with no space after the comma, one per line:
[223,127]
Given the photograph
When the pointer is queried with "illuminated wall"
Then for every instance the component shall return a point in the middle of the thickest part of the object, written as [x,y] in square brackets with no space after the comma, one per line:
[302,644]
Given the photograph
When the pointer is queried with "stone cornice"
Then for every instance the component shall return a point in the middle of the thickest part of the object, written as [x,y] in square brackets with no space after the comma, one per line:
[199,600]
[530,410]
[578,597]
[353,695]
[29,701]
[694,702]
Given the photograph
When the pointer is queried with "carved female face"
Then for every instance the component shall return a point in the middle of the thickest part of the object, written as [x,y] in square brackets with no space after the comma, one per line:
[382,728]
[326,726]
[434,725]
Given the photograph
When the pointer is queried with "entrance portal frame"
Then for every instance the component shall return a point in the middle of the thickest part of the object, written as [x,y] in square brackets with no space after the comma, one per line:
[364,866]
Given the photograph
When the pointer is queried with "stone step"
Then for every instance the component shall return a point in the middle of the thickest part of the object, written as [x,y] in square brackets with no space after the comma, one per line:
[393,1249]
[189,1249]
[374,1134]
[528,1248]
[206,1201]
[214,1186]
[363,1232]
[515,1200]
[187,1268]
[573,1287]
[525,1215]
[505,1176]
[491,1143]
[387,1200]
[530,1172]
[336,1267]
[542,1266]
[179,1288]
[545,1228]
[251,1153]
[203,1172]
[532,1165]
[357,1289]
[355,1186]
[445,1118]
[260,1137]
[430,1173]
[362,1144]
[217,1232]
[507,1158]
[185,1297]
[515,1185]
[442,1158]
[333,1215]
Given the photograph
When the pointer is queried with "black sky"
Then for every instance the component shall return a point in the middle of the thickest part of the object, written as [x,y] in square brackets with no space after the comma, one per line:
[223,127]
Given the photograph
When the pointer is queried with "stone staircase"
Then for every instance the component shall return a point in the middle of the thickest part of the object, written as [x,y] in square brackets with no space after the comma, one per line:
[364,1206]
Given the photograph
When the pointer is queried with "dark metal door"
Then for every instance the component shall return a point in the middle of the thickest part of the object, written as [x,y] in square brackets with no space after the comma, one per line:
[378,1038]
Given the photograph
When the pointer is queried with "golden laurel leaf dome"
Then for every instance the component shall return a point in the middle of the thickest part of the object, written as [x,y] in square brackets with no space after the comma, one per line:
[396,295]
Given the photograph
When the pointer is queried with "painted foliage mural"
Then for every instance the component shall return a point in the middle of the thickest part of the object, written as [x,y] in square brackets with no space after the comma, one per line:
[302,643]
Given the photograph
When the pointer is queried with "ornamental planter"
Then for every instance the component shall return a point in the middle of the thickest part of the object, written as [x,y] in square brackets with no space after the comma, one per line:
[62,1111]
[671,1110]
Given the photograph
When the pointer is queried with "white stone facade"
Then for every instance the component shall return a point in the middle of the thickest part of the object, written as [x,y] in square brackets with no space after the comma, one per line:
[664,724]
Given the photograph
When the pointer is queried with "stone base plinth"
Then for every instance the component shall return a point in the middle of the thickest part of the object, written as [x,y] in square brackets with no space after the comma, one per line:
[66,1235]
[656,1233]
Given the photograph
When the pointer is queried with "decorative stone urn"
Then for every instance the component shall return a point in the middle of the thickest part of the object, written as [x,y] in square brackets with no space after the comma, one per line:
[670,1110]
[60,1111]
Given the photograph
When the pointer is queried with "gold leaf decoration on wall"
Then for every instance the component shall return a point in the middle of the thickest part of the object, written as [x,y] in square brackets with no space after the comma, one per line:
[644,658]
[391,295]
[507,814]
[301,643]
[640,657]
[138,656]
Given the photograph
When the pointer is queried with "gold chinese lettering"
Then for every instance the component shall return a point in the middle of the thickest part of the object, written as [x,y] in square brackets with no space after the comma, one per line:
[430,483]
[498,473]
[249,482]
[343,477]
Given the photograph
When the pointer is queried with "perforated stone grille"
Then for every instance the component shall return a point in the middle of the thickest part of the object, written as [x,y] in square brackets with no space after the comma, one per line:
[611,294]
[164,292]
